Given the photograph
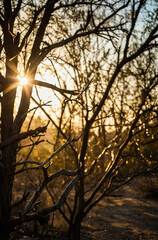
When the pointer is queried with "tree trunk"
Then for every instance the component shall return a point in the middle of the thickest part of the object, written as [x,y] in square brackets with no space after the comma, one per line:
[6,183]
[8,154]
[8,158]
[5,203]
[75,230]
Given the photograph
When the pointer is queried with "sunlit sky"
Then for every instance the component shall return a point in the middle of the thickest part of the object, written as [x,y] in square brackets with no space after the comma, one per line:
[46,74]
[45,94]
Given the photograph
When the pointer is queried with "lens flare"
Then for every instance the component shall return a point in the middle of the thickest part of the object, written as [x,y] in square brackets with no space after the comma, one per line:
[23,80]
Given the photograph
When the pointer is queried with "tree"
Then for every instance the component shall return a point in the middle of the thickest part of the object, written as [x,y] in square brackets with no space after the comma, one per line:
[33,31]
[25,25]
[129,93]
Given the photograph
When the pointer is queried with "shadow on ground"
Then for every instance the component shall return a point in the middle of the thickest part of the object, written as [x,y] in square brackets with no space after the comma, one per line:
[126,217]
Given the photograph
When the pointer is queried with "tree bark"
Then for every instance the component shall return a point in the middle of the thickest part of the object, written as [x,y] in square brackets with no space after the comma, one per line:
[8,157]
[75,229]
[8,154]
[6,183]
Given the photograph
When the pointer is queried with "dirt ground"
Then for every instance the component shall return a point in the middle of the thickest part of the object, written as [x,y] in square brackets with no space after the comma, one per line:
[127,216]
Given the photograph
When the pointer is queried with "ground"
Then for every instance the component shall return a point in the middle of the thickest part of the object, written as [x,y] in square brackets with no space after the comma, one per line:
[131,213]
[128,215]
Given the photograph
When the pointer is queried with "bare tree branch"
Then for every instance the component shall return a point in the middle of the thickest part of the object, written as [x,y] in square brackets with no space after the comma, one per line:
[21,136]
[53,87]
[43,185]
[58,151]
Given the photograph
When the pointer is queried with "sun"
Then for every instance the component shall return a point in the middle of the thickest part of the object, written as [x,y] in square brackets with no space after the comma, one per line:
[23,80]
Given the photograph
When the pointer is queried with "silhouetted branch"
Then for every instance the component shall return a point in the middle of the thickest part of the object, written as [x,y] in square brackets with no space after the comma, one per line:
[21,136]
[45,211]
[43,185]
[59,150]
[53,87]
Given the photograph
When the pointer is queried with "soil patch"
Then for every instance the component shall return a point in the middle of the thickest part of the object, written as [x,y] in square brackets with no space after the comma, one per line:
[125,216]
